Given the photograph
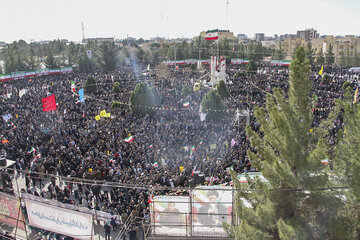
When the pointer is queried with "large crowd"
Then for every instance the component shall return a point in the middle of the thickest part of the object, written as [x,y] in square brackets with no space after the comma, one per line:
[167,147]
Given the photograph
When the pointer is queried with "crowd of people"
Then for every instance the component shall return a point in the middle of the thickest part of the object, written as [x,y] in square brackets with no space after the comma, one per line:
[168,146]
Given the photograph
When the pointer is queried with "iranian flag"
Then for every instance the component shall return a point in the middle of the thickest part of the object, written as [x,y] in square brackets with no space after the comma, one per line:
[155,164]
[73,86]
[192,173]
[129,139]
[31,150]
[38,156]
[212,35]
[186,104]
[192,150]
[325,162]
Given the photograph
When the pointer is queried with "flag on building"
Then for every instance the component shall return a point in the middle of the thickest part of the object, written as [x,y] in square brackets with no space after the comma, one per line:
[186,104]
[212,35]
[49,103]
[129,139]
[321,71]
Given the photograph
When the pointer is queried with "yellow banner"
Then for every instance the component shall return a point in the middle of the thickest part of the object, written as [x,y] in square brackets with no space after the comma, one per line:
[103,113]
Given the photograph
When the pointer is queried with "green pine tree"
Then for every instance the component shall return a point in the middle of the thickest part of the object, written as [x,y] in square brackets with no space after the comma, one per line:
[222,90]
[212,105]
[288,152]
[142,100]
[106,56]
[310,54]
[330,57]
[320,59]
[50,60]
[185,90]
[251,67]
[90,85]
[116,88]
[347,166]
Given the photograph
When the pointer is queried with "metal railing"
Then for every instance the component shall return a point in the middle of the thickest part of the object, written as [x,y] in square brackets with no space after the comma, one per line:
[125,227]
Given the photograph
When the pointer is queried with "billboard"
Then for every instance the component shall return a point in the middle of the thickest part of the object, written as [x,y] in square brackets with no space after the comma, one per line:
[59,220]
[170,215]
[211,206]
[9,211]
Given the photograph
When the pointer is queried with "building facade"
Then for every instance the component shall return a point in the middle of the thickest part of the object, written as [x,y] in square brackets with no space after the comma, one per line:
[259,37]
[99,40]
[289,45]
[348,46]
[307,34]
[223,34]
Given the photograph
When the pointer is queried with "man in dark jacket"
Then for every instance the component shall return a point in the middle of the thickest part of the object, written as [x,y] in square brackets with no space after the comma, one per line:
[107,229]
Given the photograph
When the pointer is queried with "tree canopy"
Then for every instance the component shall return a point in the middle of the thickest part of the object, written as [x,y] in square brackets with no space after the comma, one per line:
[289,152]
[221,89]
[143,100]
[212,105]
[90,85]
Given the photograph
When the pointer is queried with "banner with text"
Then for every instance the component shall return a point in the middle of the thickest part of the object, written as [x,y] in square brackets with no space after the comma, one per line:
[59,220]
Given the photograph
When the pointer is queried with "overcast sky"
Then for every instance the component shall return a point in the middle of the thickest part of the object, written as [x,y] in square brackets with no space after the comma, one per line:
[52,19]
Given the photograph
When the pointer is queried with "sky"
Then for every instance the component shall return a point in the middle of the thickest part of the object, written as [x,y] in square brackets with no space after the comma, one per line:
[61,19]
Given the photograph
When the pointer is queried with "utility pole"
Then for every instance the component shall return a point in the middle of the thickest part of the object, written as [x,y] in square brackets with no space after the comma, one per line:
[199,61]
[175,54]
[227,15]
[83,30]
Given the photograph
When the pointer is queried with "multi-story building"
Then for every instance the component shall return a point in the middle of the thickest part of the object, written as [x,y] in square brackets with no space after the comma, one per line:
[223,34]
[348,46]
[259,37]
[290,44]
[99,40]
[307,34]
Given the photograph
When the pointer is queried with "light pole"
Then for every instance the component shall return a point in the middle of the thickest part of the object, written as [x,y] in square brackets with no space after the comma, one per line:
[175,54]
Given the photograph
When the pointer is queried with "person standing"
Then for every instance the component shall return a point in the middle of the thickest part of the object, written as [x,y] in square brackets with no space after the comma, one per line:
[107,229]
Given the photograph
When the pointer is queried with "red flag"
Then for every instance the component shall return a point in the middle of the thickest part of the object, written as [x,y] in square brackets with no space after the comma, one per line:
[49,103]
